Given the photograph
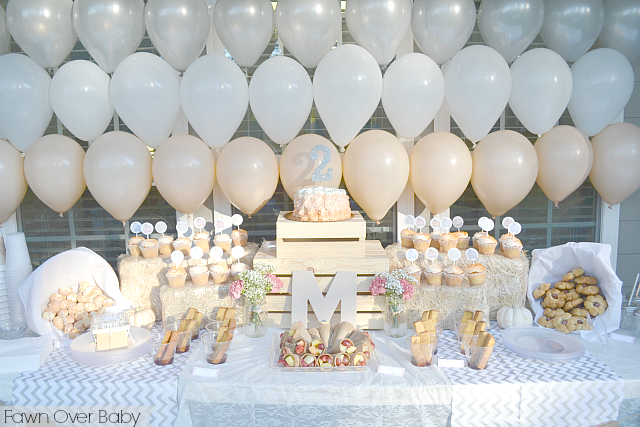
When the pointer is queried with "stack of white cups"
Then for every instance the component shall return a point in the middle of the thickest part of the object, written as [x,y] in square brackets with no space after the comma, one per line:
[18,268]
[4,300]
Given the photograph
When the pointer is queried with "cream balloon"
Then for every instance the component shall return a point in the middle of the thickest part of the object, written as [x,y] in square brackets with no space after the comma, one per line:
[616,155]
[308,28]
[178,29]
[412,93]
[442,27]
[5,35]
[376,170]
[110,30]
[43,29]
[346,88]
[79,94]
[379,25]
[53,167]
[13,185]
[505,166]
[247,172]
[215,95]
[590,148]
[478,85]
[297,166]
[281,96]
[117,170]
[563,161]
[621,30]
[25,111]
[440,170]
[146,94]
[244,27]
[184,171]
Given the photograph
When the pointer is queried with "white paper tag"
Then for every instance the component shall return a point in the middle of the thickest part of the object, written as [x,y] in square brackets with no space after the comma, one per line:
[182,227]
[237,220]
[472,254]
[412,255]
[507,221]
[481,220]
[432,254]
[394,371]
[409,220]
[219,225]
[147,228]
[622,338]
[435,223]
[458,221]
[200,222]
[446,223]
[177,257]
[196,252]
[205,372]
[237,252]
[420,222]
[454,254]
[515,228]
[136,227]
[487,225]
[450,363]
[161,227]
[216,252]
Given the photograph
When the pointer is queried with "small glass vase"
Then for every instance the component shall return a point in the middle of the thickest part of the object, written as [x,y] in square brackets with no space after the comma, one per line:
[395,318]
[255,318]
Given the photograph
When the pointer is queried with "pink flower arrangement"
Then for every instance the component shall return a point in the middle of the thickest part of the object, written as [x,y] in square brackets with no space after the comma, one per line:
[377,286]
[276,283]
[235,290]
[394,285]
[408,289]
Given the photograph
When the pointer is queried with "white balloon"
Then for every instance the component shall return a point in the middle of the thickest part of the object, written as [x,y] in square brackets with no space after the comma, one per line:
[379,25]
[25,111]
[621,30]
[79,94]
[308,28]
[145,91]
[245,28]
[442,27]
[347,86]
[571,27]
[43,29]
[603,82]
[412,93]
[509,26]
[178,29]
[215,96]
[5,35]
[281,96]
[478,85]
[540,89]
[110,30]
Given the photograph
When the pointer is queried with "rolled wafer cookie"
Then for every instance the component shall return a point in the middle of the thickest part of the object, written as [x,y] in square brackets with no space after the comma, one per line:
[341,359]
[344,329]
[325,332]
[314,333]
[291,361]
[325,360]
[302,333]
[308,360]
[358,359]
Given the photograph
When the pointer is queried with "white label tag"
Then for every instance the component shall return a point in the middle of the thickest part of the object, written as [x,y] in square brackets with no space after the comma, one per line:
[622,338]
[394,371]
[205,372]
[450,363]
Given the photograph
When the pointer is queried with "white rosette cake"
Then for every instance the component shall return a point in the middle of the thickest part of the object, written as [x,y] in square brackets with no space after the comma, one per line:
[321,204]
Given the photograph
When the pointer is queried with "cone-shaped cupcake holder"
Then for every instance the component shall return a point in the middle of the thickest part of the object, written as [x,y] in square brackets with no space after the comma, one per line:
[18,268]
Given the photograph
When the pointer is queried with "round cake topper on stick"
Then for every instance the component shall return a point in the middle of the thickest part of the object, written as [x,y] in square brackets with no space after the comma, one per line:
[199,222]
[481,220]
[237,220]
[161,227]
[147,229]
[507,221]
[454,254]
[515,228]
[216,252]
[412,255]
[458,222]
[446,223]
[219,226]
[410,221]
[472,254]
[196,253]
[420,222]
[182,227]
[136,228]
[237,252]
[435,223]
[177,257]
[431,254]
[487,225]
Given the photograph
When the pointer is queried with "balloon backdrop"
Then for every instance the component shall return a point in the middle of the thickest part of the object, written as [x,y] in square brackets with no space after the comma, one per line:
[43,29]
[621,29]
[509,26]
[117,170]
[412,93]
[308,28]
[346,88]
[616,155]
[505,166]
[245,28]
[281,96]
[297,166]
[5,35]
[571,27]
[53,168]
[79,94]
[440,170]
[215,96]
[590,149]
[146,94]
[379,25]
[603,82]
[375,169]
[563,162]
[478,85]
[178,29]
[25,111]
[13,185]
[247,173]
[442,27]
[110,30]
[540,89]
[184,171]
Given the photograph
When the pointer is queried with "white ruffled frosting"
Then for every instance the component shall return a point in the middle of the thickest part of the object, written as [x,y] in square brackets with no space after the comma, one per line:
[321,190]
[321,204]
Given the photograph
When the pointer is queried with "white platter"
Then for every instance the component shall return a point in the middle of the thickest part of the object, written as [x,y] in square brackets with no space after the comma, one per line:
[83,349]
[543,344]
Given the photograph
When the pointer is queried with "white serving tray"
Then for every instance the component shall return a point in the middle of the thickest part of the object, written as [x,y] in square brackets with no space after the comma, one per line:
[83,349]
[547,345]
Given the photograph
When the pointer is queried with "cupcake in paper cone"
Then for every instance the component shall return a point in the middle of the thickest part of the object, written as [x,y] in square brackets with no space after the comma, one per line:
[476,274]
[201,240]
[512,248]
[463,239]
[447,241]
[239,237]
[134,248]
[453,275]
[165,246]
[406,238]
[487,245]
[176,276]
[421,241]
[434,273]
[182,244]
[220,273]
[149,248]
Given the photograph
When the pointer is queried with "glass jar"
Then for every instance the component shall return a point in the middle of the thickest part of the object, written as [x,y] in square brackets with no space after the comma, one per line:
[254,318]
[395,318]
[626,315]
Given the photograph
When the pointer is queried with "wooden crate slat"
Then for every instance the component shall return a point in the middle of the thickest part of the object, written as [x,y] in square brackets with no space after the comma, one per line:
[321,249]
[363,320]
[324,283]
[282,303]
[354,228]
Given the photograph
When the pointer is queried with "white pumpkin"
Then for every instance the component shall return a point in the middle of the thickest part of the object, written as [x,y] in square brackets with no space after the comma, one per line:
[514,316]
[141,318]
